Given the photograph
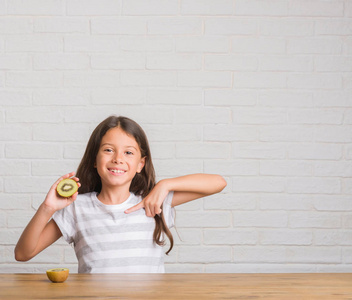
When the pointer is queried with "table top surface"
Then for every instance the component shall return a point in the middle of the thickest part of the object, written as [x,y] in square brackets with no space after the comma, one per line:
[179,286]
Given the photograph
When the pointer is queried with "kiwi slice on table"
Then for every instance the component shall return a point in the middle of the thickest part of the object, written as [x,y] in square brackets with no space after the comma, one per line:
[57,275]
[67,187]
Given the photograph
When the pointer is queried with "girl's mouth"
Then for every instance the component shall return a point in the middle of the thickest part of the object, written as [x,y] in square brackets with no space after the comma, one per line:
[117,171]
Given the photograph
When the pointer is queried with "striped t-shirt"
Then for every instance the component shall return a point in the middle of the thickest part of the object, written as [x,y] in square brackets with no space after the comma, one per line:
[106,240]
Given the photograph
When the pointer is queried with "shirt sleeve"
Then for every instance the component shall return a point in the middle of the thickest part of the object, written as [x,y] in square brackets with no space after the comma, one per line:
[168,211]
[65,220]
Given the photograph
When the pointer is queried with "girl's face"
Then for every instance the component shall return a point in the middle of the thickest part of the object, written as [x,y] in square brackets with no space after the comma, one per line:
[119,159]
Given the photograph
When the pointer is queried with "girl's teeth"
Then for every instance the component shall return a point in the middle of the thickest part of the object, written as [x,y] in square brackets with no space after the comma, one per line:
[118,171]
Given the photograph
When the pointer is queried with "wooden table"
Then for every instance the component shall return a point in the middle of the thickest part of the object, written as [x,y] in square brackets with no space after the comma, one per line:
[178,286]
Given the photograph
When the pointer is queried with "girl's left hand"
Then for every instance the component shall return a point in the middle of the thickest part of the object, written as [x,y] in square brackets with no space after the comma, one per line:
[153,202]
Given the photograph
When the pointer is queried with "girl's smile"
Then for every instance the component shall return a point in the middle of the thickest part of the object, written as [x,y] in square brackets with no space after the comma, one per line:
[117,172]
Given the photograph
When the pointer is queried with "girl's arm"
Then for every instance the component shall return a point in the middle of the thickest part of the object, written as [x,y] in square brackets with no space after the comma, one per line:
[191,187]
[186,188]
[40,233]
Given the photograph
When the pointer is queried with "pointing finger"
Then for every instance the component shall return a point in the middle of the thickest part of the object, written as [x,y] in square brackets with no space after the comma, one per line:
[135,208]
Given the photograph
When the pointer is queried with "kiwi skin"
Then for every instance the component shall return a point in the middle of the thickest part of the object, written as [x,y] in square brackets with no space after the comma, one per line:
[67,187]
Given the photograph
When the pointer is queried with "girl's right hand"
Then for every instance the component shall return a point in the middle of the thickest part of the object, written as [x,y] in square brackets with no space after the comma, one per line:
[55,202]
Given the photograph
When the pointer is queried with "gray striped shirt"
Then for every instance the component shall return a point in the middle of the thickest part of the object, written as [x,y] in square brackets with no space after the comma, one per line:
[106,240]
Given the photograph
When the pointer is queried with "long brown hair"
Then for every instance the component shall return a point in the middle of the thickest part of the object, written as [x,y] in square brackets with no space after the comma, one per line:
[141,184]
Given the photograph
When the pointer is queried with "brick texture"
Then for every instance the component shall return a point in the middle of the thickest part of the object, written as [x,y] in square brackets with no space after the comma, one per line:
[257,91]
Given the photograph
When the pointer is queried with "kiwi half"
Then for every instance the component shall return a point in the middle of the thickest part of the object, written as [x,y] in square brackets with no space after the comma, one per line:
[57,275]
[67,187]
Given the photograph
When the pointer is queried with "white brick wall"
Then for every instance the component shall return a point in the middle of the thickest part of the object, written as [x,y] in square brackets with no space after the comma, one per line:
[256,90]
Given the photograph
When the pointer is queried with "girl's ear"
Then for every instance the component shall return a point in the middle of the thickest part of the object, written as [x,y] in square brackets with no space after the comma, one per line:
[141,164]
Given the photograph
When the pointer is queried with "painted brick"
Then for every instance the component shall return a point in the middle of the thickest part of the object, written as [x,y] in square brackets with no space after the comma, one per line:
[257,45]
[33,43]
[286,27]
[112,26]
[286,133]
[223,133]
[14,167]
[334,133]
[82,43]
[174,62]
[172,168]
[16,25]
[286,99]
[191,254]
[171,133]
[146,43]
[61,97]
[333,63]
[316,116]
[261,8]
[287,63]
[118,62]
[203,116]
[209,44]
[259,116]
[203,150]
[207,7]
[33,115]
[333,169]
[332,237]
[54,168]
[35,7]
[316,8]
[314,220]
[175,26]
[203,219]
[258,150]
[40,184]
[57,133]
[34,79]
[285,237]
[219,97]
[231,201]
[150,7]
[230,237]
[232,167]
[276,201]
[60,62]
[260,219]
[14,98]
[149,78]
[81,79]
[314,185]
[60,25]
[286,168]
[14,61]
[259,80]
[311,45]
[13,201]
[92,7]
[230,26]
[204,79]
[174,96]
[315,151]
[230,62]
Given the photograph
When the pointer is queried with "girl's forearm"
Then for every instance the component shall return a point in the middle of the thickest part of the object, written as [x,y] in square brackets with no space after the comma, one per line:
[206,184]
[29,239]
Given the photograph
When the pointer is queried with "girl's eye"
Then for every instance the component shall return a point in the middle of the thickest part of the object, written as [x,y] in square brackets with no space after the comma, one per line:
[108,150]
[129,152]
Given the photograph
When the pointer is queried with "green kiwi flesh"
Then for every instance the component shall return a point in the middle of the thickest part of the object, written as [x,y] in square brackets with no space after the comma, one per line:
[67,187]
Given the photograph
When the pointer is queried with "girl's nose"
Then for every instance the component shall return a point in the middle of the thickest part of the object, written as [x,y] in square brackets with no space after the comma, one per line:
[117,158]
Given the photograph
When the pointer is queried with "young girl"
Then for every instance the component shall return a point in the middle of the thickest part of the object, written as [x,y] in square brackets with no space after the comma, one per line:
[118,220]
